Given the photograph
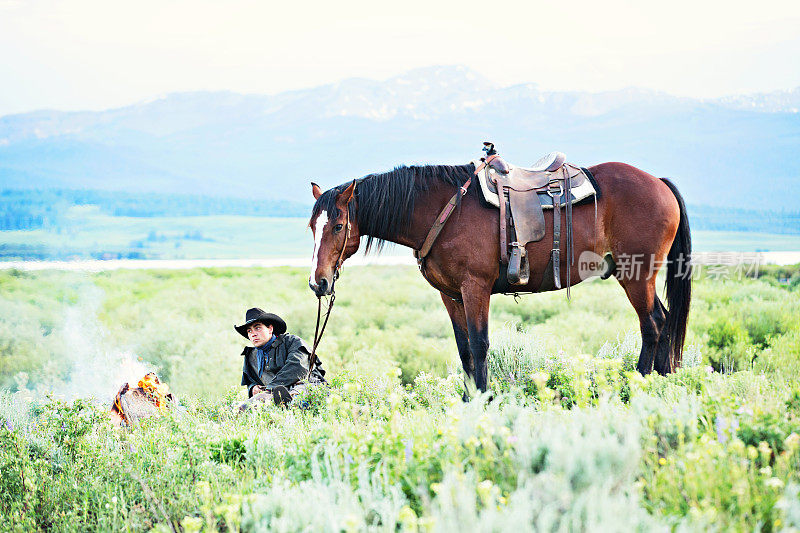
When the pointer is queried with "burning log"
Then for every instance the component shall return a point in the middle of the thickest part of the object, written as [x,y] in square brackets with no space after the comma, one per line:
[149,398]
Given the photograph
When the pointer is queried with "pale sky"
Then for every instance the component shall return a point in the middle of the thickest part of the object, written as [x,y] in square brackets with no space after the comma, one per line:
[95,54]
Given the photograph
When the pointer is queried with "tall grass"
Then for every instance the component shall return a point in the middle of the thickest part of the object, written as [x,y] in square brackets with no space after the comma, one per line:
[571,438]
[56,326]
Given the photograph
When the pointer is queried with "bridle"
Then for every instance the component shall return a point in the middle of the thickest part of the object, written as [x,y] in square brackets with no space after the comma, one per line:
[340,259]
[312,360]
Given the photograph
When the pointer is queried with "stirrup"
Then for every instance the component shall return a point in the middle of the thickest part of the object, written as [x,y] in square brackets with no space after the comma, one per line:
[518,268]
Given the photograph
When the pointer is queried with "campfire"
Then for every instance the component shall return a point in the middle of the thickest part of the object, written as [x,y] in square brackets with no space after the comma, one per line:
[149,398]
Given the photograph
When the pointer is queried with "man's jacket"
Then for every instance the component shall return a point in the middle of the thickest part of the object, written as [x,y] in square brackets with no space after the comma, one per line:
[286,364]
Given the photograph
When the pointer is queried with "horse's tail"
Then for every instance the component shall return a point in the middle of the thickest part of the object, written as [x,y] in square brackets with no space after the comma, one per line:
[679,281]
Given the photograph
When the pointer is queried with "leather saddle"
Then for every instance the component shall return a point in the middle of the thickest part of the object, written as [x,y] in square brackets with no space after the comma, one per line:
[521,194]
[526,179]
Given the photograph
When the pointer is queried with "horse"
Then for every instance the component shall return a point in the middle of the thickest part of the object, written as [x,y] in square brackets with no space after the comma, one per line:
[635,215]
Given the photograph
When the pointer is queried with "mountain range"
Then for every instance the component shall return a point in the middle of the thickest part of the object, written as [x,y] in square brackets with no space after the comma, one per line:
[741,151]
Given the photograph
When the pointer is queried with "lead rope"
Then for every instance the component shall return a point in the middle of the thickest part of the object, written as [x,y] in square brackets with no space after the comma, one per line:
[312,359]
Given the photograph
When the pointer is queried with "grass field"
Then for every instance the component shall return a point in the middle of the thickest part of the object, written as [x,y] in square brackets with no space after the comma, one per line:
[739,241]
[91,234]
[573,439]
[87,233]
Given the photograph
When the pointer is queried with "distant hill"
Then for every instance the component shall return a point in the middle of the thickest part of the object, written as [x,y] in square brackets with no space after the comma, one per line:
[732,152]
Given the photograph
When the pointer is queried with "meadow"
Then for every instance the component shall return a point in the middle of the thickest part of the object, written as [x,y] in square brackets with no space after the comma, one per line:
[118,231]
[572,439]
[84,232]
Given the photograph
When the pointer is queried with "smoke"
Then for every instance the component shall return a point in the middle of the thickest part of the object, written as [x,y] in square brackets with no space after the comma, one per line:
[97,368]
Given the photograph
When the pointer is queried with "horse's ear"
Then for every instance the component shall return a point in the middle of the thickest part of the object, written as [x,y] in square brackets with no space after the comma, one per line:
[346,195]
[316,191]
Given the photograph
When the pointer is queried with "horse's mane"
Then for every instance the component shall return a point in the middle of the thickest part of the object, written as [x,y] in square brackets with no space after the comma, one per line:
[385,201]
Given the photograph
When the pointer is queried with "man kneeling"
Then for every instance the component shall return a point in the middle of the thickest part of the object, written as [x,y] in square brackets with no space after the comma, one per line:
[276,365]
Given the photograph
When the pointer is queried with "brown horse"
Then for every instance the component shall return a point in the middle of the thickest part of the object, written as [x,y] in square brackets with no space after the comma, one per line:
[637,219]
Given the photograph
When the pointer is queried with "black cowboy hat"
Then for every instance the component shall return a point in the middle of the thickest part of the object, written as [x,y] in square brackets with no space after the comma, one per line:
[259,315]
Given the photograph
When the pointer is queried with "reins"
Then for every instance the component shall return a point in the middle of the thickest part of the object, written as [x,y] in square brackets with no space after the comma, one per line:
[318,332]
[312,360]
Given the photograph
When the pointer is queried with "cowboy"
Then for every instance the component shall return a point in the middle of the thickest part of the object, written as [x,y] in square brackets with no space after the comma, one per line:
[277,363]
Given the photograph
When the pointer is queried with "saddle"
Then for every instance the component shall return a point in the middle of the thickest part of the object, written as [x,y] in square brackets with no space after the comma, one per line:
[522,195]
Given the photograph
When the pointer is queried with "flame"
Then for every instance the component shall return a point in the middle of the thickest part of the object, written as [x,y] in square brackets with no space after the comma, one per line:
[155,390]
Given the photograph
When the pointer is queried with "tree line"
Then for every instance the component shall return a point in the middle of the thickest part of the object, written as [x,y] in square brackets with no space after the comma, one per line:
[28,209]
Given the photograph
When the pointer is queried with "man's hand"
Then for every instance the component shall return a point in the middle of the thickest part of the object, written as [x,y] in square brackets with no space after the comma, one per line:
[259,388]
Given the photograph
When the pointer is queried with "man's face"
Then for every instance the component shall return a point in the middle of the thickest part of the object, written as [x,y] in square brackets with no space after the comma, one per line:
[259,334]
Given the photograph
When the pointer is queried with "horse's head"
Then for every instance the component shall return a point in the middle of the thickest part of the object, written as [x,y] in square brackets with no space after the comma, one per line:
[336,235]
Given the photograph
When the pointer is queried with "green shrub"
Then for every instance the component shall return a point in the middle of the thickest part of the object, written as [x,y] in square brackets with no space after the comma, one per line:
[771,428]
[230,451]
[730,345]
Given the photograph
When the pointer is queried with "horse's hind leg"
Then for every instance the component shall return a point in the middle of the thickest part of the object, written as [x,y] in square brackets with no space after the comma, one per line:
[663,357]
[459,320]
[642,294]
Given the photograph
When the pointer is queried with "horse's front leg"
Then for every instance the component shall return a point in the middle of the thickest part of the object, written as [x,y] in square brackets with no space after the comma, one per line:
[459,319]
[475,295]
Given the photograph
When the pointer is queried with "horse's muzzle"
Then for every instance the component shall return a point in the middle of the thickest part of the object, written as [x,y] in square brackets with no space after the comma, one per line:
[320,290]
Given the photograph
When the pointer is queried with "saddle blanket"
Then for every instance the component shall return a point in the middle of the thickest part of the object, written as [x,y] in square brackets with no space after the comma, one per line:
[489,191]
